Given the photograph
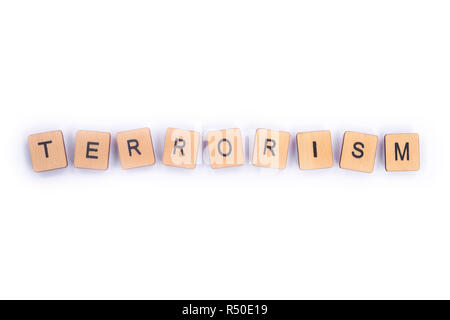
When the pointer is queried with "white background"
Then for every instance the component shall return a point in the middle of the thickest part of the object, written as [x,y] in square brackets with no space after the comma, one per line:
[158,232]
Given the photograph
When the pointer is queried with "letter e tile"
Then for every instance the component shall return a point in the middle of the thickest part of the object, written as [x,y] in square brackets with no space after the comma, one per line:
[92,150]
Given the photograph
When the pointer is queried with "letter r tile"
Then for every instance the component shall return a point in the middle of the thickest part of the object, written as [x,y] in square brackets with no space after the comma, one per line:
[47,151]
[402,152]
[181,148]
[135,148]
[271,148]
[92,150]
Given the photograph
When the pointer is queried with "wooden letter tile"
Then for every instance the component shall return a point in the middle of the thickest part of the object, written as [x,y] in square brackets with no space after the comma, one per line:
[92,150]
[181,148]
[358,151]
[135,148]
[225,148]
[314,150]
[402,152]
[271,148]
[47,151]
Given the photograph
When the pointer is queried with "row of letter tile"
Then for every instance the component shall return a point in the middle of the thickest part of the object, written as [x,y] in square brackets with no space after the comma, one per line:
[314,149]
